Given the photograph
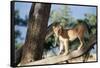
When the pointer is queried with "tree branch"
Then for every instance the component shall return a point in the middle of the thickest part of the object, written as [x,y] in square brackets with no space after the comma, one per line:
[72,55]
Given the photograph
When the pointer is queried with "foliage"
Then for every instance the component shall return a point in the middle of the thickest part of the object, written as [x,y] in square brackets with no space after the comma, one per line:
[91,18]
[18,45]
[19,22]
[48,45]
[61,15]
[92,22]
[17,34]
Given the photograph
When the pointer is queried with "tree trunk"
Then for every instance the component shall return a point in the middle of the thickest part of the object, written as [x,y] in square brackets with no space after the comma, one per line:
[48,34]
[37,27]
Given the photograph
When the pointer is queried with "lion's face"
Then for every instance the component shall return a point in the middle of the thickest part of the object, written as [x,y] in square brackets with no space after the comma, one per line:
[56,29]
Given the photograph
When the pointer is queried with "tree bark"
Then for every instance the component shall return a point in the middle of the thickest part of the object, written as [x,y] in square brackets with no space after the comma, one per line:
[37,26]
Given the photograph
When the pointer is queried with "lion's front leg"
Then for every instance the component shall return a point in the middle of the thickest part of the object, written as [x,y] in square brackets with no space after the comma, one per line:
[66,47]
[61,48]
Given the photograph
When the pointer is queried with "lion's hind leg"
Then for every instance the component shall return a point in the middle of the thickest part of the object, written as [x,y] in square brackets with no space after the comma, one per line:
[81,42]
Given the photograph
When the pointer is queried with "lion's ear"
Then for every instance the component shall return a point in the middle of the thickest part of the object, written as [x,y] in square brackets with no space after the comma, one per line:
[60,27]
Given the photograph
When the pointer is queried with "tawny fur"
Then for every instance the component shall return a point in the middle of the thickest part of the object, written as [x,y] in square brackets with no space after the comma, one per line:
[66,35]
